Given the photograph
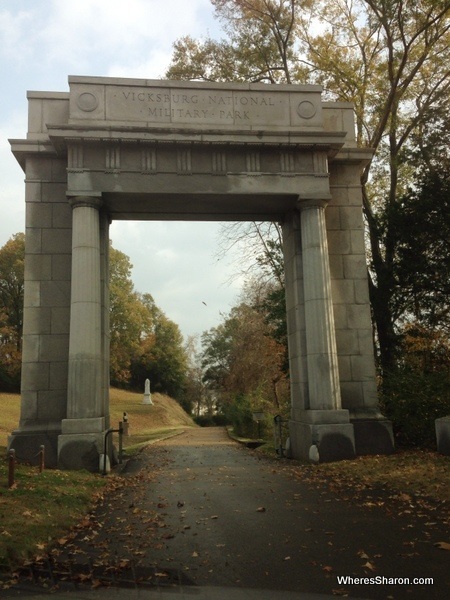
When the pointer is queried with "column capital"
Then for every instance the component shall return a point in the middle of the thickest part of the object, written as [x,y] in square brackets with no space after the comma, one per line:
[91,200]
[306,203]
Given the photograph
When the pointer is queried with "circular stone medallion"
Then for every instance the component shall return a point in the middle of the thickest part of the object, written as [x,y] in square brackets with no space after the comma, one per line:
[306,109]
[87,102]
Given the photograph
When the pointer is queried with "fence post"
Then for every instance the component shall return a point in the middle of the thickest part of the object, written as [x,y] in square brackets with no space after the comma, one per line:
[12,464]
[41,458]
[120,442]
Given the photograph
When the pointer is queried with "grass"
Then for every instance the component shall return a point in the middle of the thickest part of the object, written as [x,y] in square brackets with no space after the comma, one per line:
[41,508]
[10,410]
[147,422]
[406,474]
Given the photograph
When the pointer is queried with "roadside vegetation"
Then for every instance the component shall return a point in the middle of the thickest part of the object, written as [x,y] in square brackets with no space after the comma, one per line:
[42,507]
[391,60]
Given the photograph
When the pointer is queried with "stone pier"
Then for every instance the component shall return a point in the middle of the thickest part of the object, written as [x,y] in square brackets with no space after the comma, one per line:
[168,150]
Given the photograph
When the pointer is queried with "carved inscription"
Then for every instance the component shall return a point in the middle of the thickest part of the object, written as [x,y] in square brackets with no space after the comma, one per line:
[194,106]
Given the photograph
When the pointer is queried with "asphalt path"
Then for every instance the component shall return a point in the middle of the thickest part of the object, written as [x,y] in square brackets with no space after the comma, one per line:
[200,512]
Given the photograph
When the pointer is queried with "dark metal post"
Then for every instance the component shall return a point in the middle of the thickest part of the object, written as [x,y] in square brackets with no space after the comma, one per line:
[278,438]
[120,442]
[41,458]
[12,465]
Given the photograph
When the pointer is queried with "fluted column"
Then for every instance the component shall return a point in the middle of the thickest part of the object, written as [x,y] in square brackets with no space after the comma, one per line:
[85,404]
[322,429]
[322,362]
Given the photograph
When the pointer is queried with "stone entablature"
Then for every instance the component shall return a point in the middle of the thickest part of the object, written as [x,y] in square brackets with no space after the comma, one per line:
[150,103]
[143,149]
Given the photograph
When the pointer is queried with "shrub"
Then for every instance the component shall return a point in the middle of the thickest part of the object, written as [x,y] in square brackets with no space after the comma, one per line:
[413,400]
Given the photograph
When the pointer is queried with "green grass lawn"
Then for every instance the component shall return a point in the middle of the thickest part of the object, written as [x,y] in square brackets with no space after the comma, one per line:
[41,508]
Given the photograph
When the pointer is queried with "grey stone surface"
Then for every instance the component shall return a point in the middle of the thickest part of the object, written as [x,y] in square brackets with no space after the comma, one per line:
[373,436]
[79,452]
[333,441]
[27,446]
[141,149]
[443,435]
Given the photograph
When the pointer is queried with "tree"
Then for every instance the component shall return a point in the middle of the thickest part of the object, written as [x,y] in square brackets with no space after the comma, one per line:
[391,59]
[260,46]
[198,399]
[243,364]
[421,267]
[163,358]
[130,319]
[12,256]
[144,342]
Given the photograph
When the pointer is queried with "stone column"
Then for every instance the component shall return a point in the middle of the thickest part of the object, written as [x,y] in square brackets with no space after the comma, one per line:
[322,364]
[81,441]
[295,314]
[323,429]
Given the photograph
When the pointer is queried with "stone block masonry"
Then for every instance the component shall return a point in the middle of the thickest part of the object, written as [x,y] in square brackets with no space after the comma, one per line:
[140,149]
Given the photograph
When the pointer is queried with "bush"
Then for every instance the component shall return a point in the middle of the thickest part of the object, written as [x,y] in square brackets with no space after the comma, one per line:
[211,420]
[413,400]
[239,414]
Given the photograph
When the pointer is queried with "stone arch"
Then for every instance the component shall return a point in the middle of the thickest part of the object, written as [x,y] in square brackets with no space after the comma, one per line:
[138,149]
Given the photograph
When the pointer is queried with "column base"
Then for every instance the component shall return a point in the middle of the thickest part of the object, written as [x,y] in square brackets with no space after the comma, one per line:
[87,425]
[27,445]
[82,443]
[81,451]
[373,433]
[443,435]
[315,438]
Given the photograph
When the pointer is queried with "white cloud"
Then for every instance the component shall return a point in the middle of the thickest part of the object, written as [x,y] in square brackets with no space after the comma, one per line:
[12,33]
[81,34]
[44,41]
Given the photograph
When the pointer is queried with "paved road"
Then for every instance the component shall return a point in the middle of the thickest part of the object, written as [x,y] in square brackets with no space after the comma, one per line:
[200,510]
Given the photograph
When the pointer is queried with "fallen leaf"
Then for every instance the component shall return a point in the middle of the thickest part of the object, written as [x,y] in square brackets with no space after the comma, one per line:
[442,545]
[369,566]
[194,554]
[327,569]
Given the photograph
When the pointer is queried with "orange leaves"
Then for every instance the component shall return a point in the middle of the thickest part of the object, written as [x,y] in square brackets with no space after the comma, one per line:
[442,545]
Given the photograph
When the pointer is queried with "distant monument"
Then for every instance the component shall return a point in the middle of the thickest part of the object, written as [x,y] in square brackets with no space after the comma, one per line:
[129,149]
[147,393]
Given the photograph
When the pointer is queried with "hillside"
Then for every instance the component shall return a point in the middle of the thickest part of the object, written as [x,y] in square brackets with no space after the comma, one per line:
[145,421]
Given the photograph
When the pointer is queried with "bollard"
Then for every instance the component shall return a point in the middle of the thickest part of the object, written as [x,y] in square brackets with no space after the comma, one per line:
[278,440]
[41,458]
[12,464]
[120,442]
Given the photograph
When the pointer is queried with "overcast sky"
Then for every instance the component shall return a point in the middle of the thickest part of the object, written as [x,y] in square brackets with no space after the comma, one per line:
[42,42]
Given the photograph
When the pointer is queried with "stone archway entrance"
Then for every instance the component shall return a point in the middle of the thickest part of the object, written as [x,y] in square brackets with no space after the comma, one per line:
[138,149]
